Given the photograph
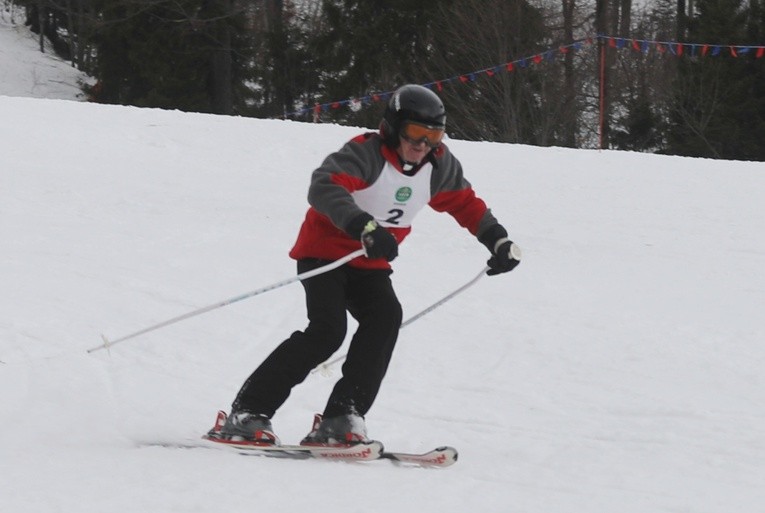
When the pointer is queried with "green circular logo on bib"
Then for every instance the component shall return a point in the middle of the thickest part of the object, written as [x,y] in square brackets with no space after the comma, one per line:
[403,194]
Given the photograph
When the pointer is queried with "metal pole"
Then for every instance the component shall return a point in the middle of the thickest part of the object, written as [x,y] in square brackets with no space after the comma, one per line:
[337,263]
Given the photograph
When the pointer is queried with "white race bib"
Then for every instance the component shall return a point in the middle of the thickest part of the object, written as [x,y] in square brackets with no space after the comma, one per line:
[394,198]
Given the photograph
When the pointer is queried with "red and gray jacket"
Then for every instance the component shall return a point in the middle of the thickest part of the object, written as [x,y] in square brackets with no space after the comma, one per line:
[366,177]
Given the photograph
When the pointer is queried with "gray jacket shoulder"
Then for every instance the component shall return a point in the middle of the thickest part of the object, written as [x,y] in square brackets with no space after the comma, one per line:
[448,175]
[354,166]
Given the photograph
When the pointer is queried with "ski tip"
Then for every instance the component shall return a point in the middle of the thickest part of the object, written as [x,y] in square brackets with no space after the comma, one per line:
[450,450]
[455,455]
[440,457]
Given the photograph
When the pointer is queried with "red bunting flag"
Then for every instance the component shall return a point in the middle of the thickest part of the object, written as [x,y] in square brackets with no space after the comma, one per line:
[675,48]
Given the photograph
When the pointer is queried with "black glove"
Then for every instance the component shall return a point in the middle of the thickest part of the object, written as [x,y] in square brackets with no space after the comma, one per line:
[378,242]
[507,255]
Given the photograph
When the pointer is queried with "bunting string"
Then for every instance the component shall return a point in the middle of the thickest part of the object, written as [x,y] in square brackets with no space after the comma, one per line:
[690,49]
[678,49]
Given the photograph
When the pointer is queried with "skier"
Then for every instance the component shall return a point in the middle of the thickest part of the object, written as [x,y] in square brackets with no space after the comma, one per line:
[364,195]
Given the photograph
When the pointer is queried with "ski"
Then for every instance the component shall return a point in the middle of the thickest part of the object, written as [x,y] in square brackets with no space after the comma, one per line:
[364,451]
[439,457]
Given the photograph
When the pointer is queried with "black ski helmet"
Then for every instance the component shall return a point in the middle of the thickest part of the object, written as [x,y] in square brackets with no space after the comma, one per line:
[411,103]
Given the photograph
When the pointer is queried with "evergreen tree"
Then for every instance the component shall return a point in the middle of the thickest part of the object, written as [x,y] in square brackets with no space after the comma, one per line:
[175,55]
[524,105]
[642,127]
[365,47]
[719,108]
[643,82]
[285,78]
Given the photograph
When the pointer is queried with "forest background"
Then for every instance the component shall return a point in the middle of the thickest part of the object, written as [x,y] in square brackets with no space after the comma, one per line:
[682,77]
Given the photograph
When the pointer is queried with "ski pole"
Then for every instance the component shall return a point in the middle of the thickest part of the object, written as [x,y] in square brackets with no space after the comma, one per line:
[324,367]
[308,274]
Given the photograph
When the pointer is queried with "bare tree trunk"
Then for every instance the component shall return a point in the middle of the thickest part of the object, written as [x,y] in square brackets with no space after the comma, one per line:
[569,87]
[601,27]
[223,101]
[283,94]
[625,21]
[221,76]
[72,36]
[83,36]
[681,20]
[41,23]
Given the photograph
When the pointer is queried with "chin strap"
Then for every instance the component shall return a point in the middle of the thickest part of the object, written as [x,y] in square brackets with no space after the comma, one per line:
[411,168]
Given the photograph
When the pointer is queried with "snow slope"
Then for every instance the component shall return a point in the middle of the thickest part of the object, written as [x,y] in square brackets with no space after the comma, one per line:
[618,369]
[27,72]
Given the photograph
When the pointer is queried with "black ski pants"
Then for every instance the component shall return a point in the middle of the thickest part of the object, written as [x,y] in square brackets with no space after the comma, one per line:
[369,297]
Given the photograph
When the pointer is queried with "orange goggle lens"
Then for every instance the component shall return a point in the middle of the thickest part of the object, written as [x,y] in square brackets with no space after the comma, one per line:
[416,133]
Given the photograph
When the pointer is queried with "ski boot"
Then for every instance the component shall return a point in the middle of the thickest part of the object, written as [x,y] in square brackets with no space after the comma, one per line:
[337,431]
[244,426]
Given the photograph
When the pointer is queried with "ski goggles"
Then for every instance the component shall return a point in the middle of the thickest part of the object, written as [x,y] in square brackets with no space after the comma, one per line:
[416,133]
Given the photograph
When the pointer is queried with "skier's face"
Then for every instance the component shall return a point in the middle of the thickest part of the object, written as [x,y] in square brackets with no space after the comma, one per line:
[420,132]
[417,140]
[413,153]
